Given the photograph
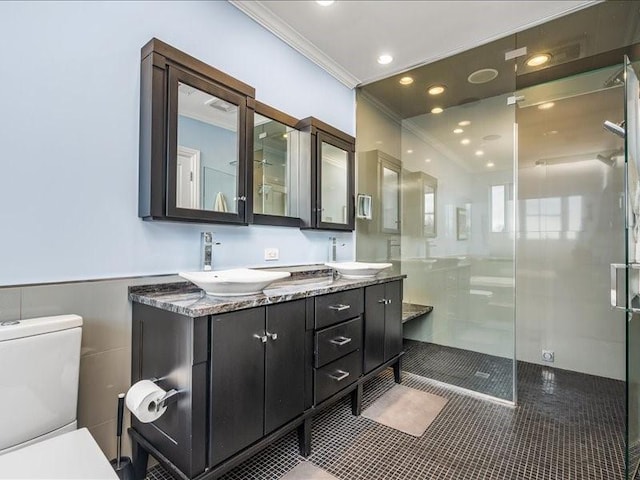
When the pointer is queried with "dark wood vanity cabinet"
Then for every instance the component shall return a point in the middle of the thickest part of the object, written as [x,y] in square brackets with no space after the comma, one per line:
[247,377]
[327,176]
[338,342]
[257,374]
[193,145]
[383,323]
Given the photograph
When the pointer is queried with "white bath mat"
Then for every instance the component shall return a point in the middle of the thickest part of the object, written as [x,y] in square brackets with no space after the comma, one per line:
[308,471]
[406,409]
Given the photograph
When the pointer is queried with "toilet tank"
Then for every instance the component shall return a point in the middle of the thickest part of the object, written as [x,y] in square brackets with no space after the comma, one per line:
[39,371]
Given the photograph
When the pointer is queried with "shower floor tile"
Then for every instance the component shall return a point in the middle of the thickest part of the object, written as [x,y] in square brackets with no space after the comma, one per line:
[567,426]
[475,371]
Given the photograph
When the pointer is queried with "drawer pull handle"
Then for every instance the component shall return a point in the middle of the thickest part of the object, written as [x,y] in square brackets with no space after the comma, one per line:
[341,375]
[272,336]
[340,341]
[340,307]
[385,301]
[262,338]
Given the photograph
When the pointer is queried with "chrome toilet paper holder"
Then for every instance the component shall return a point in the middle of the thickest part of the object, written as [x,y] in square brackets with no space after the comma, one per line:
[170,397]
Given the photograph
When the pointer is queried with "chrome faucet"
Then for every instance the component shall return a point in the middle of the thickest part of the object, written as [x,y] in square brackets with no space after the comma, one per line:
[207,243]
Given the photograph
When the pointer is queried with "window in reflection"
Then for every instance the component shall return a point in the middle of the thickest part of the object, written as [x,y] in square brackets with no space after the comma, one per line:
[551,217]
[498,208]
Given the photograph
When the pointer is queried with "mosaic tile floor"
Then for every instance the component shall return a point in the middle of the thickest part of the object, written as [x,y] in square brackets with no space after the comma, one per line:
[568,426]
[475,371]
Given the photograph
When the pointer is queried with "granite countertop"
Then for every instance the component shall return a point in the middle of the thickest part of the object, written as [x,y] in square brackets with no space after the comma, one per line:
[187,299]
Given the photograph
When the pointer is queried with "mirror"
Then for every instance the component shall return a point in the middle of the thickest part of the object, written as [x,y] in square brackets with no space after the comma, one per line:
[334,184]
[207,153]
[275,167]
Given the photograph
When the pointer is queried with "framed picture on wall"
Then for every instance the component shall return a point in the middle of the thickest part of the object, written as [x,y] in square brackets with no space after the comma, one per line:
[462,224]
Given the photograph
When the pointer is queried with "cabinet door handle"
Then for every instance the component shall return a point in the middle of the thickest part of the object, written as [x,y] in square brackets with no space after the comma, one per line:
[340,307]
[241,198]
[262,338]
[340,341]
[341,375]
[383,300]
[388,302]
[272,336]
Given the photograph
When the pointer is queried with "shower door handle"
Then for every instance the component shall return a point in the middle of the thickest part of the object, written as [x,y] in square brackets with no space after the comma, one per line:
[618,286]
[617,297]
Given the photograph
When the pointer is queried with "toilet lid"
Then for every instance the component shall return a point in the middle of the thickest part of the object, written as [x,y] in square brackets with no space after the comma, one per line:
[73,455]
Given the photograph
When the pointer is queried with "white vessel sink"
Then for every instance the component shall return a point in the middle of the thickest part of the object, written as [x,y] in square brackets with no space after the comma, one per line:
[359,269]
[234,282]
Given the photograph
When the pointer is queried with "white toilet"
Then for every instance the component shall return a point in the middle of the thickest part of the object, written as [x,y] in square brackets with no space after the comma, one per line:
[39,371]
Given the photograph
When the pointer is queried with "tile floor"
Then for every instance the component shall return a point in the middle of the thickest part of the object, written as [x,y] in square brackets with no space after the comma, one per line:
[567,426]
[482,373]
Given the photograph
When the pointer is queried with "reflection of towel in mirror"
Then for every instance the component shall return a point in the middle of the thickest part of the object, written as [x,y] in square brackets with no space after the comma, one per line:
[220,204]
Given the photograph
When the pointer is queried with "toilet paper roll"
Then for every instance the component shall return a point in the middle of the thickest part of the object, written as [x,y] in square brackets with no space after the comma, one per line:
[142,400]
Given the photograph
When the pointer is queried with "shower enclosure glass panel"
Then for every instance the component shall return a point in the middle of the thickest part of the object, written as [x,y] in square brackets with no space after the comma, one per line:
[456,237]
[632,157]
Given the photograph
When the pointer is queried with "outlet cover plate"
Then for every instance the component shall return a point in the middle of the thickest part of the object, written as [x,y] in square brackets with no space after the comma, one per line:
[548,356]
[271,254]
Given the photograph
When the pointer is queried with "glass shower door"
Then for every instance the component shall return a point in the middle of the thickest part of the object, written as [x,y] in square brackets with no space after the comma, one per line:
[632,247]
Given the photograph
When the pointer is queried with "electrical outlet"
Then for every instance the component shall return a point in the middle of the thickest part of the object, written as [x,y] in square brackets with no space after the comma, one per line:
[548,356]
[271,254]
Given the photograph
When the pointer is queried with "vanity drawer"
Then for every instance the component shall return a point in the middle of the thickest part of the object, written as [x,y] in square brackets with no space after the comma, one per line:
[335,342]
[339,306]
[337,375]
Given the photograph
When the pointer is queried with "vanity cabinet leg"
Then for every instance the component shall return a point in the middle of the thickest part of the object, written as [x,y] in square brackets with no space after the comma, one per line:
[396,370]
[140,460]
[356,401]
[304,438]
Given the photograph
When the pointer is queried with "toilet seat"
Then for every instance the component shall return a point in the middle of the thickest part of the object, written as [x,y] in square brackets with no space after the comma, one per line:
[73,455]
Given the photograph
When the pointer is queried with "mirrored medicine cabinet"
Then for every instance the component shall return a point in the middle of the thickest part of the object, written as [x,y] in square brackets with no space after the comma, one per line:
[211,153]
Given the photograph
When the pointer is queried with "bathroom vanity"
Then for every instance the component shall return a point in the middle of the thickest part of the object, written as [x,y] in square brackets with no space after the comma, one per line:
[251,369]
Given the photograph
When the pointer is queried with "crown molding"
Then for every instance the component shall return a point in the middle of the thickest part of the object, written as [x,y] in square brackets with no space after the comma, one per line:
[281,29]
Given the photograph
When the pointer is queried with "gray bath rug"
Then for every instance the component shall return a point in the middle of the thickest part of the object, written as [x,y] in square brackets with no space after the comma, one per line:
[308,471]
[406,409]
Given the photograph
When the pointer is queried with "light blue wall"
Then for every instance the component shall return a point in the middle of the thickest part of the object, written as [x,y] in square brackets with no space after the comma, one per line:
[69,135]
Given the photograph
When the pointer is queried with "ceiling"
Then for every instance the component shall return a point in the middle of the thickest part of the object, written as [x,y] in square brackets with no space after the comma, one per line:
[347,37]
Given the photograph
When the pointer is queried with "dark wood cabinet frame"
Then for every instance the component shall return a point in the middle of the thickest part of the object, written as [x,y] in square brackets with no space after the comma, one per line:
[311,193]
[274,114]
[162,67]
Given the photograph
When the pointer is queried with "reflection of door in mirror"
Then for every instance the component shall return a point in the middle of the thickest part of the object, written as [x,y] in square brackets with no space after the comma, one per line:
[209,125]
[275,156]
[334,186]
[188,178]
[420,201]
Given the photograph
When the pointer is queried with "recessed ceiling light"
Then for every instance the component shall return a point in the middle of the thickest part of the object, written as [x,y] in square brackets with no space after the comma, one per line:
[385,59]
[550,132]
[427,160]
[490,164]
[436,89]
[465,141]
[437,110]
[464,123]
[406,81]
[458,130]
[325,3]
[546,106]
[538,60]
[284,135]
[409,151]
[483,75]
[479,153]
